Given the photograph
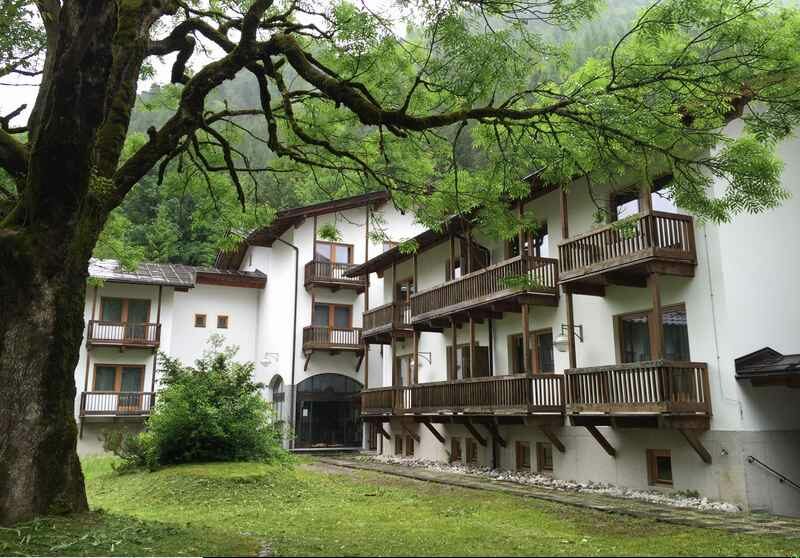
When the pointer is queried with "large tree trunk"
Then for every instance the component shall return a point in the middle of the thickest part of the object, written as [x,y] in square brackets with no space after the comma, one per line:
[40,336]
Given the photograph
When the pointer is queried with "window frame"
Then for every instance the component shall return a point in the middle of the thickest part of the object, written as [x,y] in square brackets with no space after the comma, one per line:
[541,457]
[652,467]
[534,351]
[204,321]
[522,453]
[117,376]
[456,455]
[227,319]
[471,452]
[331,246]
[331,314]
[465,357]
[617,326]
[409,447]
[398,446]
[125,305]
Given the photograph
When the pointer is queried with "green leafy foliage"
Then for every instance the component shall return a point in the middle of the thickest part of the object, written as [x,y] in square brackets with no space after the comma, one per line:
[212,411]
[328,231]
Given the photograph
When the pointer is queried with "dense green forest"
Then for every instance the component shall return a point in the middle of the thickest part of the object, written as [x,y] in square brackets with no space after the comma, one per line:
[187,214]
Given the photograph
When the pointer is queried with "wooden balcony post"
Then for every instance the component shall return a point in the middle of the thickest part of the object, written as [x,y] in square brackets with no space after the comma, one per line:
[395,378]
[471,347]
[656,319]
[366,294]
[416,356]
[521,237]
[645,197]
[454,350]
[526,340]
[468,268]
[573,361]
[452,273]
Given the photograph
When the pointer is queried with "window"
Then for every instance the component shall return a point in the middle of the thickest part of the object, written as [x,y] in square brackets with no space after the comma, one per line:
[626,203]
[405,370]
[538,241]
[472,452]
[659,467]
[339,316]
[118,377]
[455,450]
[544,457]
[134,311]
[398,446]
[199,320]
[450,272]
[523,455]
[409,446]
[334,252]
[222,322]
[634,335]
[403,290]
[541,352]
[462,362]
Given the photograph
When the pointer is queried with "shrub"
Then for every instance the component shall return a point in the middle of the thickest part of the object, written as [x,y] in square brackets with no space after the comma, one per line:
[210,412]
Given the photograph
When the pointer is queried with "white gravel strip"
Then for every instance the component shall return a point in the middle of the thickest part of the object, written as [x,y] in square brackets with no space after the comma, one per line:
[676,500]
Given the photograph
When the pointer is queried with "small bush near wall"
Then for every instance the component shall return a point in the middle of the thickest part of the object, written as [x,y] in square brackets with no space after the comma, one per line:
[212,411]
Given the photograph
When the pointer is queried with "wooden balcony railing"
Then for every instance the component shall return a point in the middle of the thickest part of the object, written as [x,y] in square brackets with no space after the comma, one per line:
[522,274]
[395,315]
[123,334]
[332,274]
[325,337]
[654,235]
[116,403]
[642,387]
[498,395]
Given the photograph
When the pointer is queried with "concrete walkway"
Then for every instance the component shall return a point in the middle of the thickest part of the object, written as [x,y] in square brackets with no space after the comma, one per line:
[749,523]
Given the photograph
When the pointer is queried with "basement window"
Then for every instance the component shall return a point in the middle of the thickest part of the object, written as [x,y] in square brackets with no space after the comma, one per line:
[544,457]
[455,450]
[222,322]
[472,452]
[523,456]
[659,467]
[398,446]
[409,446]
[199,320]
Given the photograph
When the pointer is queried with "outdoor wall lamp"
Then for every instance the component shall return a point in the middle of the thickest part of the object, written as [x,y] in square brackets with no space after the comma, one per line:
[561,342]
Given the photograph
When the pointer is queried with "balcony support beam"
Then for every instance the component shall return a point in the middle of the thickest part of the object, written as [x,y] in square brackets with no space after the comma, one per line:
[475,434]
[495,433]
[436,433]
[453,351]
[573,360]
[410,432]
[604,443]
[471,346]
[696,444]
[383,432]
[550,435]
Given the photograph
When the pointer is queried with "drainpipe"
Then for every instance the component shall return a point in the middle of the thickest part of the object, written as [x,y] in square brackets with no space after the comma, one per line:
[294,334]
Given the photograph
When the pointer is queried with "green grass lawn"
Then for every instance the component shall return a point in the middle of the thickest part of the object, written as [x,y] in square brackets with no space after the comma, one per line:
[235,509]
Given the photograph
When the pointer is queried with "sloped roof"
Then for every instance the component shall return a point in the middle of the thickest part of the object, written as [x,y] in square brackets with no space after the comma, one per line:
[288,218]
[767,363]
[170,275]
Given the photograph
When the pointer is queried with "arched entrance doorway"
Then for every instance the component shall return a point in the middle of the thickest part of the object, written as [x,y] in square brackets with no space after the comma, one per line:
[328,408]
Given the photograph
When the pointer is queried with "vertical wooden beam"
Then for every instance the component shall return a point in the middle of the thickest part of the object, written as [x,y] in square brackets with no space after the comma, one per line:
[468,265]
[395,375]
[416,356]
[573,361]
[366,293]
[454,350]
[314,247]
[564,215]
[452,257]
[521,236]
[416,275]
[656,320]
[645,197]
[471,347]
[526,340]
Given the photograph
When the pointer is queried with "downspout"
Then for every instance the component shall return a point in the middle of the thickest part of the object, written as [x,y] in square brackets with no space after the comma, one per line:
[294,335]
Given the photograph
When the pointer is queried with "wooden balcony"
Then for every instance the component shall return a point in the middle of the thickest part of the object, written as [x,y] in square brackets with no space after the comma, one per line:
[381,322]
[655,393]
[512,395]
[502,287]
[332,339]
[122,334]
[332,275]
[657,242]
[114,404]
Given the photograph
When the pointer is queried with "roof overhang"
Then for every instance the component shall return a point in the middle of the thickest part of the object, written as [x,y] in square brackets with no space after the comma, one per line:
[769,367]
